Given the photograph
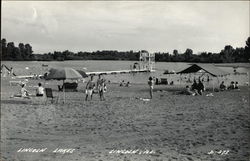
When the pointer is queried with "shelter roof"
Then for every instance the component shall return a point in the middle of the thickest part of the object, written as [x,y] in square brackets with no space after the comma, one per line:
[209,68]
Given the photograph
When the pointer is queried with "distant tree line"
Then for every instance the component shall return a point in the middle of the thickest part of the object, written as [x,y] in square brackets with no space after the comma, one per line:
[97,55]
[10,52]
[227,55]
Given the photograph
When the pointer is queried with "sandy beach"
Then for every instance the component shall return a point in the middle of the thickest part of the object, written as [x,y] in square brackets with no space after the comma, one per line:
[167,128]
[175,77]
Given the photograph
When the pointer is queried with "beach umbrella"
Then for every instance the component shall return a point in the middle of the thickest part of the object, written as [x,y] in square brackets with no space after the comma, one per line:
[84,75]
[63,74]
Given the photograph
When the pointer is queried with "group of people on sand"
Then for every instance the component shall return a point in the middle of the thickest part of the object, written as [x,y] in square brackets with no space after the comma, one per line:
[233,85]
[91,88]
[99,85]
[195,89]
[123,84]
[199,88]
[26,94]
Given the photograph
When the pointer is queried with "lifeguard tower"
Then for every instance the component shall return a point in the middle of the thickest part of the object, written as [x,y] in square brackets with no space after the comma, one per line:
[147,61]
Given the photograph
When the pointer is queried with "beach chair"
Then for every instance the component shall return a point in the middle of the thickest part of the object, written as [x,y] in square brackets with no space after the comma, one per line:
[60,88]
[49,94]
[164,81]
[70,86]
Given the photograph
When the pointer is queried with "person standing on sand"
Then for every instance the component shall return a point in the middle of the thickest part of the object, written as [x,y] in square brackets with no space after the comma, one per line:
[11,71]
[99,81]
[151,83]
[89,88]
[101,89]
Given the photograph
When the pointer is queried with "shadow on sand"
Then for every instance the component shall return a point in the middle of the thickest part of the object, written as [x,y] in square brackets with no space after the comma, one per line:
[14,101]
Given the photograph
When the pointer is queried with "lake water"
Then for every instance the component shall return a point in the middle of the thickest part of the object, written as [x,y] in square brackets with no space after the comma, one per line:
[35,67]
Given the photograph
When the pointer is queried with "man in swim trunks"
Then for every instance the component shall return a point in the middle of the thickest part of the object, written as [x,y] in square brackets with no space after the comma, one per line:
[89,88]
[101,87]
[98,82]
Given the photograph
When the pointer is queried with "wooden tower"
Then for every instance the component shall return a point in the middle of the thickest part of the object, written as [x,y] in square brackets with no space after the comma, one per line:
[147,60]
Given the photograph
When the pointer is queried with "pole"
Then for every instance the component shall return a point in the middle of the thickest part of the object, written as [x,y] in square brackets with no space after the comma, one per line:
[180,79]
[63,92]
[213,86]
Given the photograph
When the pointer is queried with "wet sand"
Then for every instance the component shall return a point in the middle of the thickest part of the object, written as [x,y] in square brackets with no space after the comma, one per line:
[171,126]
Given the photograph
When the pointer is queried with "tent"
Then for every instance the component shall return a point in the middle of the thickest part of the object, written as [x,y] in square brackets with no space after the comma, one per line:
[208,68]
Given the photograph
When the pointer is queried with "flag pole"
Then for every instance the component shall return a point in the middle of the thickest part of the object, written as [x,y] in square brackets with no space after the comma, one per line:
[63,92]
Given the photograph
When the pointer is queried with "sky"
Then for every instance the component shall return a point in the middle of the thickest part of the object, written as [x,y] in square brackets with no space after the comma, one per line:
[156,26]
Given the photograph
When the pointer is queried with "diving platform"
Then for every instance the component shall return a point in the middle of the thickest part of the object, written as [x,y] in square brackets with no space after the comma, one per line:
[146,64]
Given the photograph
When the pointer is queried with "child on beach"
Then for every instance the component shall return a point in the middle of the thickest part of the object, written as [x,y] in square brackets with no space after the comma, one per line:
[89,88]
[151,83]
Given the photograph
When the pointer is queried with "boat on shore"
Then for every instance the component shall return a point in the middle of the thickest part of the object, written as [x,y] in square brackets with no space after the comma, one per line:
[45,65]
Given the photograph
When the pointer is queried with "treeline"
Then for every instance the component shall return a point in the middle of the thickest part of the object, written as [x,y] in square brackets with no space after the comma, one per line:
[227,55]
[11,52]
[97,55]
